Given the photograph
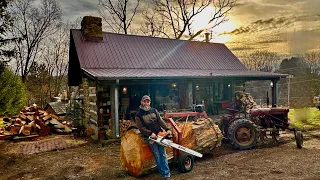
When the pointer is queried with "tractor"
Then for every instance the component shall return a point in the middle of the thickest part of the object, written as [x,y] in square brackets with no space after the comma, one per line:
[243,127]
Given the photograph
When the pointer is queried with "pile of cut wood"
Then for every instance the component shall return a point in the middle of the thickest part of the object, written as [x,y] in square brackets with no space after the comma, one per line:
[33,121]
[245,101]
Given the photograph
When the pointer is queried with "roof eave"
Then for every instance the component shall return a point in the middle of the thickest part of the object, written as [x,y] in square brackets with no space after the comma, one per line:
[192,77]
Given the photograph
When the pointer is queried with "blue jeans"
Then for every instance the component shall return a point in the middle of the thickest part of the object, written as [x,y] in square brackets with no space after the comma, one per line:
[160,157]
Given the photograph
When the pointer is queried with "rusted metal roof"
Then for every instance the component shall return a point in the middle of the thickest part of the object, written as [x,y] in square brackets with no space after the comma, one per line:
[175,73]
[118,51]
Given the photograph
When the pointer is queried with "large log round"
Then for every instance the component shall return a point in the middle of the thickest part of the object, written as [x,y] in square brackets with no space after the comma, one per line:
[201,135]
[135,153]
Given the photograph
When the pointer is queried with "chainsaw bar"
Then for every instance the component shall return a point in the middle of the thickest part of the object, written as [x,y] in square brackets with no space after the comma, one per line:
[166,142]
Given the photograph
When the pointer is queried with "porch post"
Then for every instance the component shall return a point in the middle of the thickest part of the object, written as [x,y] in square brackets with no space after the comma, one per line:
[189,94]
[192,92]
[116,108]
[274,92]
[213,92]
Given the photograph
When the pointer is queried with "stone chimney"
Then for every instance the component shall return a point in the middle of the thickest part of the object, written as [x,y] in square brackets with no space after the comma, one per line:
[92,28]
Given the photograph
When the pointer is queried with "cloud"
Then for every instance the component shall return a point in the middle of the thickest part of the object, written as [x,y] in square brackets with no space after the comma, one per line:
[273,23]
[72,9]
[271,41]
[244,48]
[262,25]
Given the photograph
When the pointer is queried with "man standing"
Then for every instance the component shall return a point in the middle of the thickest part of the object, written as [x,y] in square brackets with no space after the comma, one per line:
[150,123]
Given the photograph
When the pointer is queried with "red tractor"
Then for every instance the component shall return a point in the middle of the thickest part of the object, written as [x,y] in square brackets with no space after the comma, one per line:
[244,130]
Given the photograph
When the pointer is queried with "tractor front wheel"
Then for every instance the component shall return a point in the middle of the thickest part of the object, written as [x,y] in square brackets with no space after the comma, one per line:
[243,134]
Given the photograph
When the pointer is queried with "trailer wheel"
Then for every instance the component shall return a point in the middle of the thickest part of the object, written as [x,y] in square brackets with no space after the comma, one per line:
[243,134]
[299,139]
[185,162]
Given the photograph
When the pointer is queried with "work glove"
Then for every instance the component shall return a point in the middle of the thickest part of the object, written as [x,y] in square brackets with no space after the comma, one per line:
[169,133]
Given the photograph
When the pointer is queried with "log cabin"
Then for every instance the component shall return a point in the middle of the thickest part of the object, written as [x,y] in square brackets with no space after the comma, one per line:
[113,71]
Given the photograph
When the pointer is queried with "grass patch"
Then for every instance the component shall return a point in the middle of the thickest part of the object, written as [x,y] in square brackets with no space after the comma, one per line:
[305,119]
[1,122]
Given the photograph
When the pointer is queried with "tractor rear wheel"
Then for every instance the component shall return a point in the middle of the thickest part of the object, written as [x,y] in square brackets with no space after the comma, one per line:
[243,134]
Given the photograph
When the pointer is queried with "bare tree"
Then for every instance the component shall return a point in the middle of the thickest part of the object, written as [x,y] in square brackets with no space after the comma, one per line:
[118,14]
[221,9]
[262,61]
[34,23]
[313,60]
[55,56]
[152,25]
[37,84]
[174,19]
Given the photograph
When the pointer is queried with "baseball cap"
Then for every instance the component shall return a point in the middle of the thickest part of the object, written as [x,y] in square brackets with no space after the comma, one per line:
[145,97]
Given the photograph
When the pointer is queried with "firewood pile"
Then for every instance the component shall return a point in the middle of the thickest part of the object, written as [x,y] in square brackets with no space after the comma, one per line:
[245,101]
[33,121]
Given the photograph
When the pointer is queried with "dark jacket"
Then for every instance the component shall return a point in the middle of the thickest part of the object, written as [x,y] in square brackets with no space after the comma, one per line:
[149,122]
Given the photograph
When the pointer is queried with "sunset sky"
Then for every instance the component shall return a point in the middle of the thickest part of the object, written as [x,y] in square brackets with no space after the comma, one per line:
[288,27]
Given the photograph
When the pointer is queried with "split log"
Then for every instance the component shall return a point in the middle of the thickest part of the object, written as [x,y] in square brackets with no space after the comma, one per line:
[27,129]
[201,135]
[44,131]
[42,112]
[15,129]
[55,116]
[46,117]
[22,116]
[30,118]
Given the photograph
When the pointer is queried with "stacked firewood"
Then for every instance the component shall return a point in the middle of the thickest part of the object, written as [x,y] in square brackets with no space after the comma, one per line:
[33,121]
[245,102]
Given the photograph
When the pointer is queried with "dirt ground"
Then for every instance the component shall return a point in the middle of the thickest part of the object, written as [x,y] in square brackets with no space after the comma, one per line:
[87,160]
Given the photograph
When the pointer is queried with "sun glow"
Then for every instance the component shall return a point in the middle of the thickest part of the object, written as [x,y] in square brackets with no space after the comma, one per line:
[201,20]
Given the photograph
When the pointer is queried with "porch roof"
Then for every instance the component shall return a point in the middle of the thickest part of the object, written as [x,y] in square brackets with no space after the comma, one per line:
[109,74]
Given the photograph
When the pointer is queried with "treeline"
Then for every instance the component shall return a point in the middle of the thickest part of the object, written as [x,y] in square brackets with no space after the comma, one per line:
[35,47]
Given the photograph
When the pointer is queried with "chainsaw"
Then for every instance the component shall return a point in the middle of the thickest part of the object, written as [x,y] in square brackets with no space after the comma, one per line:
[164,141]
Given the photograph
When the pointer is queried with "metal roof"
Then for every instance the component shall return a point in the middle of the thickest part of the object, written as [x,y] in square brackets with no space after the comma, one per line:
[120,56]
[175,73]
[119,51]
[59,108]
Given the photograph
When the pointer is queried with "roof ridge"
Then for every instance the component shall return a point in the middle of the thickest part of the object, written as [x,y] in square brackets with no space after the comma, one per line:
[137,35]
